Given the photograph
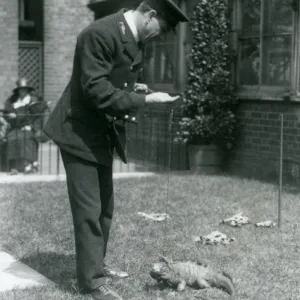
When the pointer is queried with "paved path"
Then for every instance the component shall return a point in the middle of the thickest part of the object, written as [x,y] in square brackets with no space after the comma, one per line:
[16,275]
[6,178]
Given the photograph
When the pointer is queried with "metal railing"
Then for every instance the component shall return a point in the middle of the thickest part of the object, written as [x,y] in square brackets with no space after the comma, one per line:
[149,147]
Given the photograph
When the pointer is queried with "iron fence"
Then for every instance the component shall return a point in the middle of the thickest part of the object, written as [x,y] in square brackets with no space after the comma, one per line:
[150,146]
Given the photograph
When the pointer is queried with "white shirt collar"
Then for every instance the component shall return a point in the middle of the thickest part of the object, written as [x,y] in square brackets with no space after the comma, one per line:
[129,19]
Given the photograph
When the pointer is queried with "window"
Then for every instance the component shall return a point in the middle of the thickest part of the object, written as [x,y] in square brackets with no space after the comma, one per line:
[266,43]
[160,63]
[24,10]
[163,61]
[31,20]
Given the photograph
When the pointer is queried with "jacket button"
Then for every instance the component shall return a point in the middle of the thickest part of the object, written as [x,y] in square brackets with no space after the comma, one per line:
[125,85]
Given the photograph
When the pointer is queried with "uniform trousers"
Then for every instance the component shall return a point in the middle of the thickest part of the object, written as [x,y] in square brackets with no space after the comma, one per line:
[90,189]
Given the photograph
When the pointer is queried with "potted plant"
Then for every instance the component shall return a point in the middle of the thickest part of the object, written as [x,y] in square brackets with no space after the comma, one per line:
[207,123]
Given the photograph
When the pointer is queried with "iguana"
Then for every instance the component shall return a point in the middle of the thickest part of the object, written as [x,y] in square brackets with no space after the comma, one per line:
[179,274]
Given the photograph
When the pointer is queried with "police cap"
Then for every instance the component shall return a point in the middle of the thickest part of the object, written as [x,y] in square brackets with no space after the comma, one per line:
[169,11]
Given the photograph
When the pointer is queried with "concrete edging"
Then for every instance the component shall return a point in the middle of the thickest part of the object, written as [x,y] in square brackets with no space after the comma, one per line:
[6,178]
[16,275]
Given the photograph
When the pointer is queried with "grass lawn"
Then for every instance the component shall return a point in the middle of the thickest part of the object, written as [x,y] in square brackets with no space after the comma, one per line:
[36,227]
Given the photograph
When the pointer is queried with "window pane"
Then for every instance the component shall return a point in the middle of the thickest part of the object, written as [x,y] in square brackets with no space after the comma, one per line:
[278,17]
[148,70]
[160,63]
[191,4]
[277,54]
[251,13]
[250,60]
[164,63]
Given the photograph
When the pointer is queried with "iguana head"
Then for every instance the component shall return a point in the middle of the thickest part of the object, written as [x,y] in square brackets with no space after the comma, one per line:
[156,270]
[160,271]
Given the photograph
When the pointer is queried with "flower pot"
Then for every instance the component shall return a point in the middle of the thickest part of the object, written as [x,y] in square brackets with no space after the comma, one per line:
[206,159]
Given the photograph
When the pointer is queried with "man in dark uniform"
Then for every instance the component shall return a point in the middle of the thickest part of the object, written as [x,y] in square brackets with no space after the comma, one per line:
[86,125]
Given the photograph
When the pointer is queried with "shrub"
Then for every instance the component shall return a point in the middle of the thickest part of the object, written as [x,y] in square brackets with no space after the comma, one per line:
[209,98]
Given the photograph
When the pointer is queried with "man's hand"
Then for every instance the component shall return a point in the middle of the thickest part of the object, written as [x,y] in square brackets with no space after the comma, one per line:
[26,128]
[140,87]
[160,98]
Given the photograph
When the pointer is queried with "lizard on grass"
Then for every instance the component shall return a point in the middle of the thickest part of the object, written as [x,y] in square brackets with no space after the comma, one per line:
[179,274]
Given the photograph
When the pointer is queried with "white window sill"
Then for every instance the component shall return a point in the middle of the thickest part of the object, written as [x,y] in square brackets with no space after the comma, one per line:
[267,93]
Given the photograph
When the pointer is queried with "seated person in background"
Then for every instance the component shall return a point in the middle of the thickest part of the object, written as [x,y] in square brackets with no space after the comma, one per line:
[23,111]
[3,129]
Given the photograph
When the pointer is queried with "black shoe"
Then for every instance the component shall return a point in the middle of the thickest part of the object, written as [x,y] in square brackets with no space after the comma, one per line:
[109,272]
[103,292]
[13,172]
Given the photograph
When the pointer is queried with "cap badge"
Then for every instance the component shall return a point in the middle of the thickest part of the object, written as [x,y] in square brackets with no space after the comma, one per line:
[122,27]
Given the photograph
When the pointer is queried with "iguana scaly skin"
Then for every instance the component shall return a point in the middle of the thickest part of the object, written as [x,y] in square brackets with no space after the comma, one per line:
[181,274]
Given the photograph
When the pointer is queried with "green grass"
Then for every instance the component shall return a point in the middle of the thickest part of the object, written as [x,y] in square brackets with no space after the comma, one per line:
[36,227]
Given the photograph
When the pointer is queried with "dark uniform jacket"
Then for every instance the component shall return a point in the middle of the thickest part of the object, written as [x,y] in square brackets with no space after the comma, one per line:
[106,65]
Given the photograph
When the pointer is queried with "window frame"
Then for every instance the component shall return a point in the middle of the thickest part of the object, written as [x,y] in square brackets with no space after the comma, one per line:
[261,91]
[21,11]
[23,21]
[158,85]
[296,57]
[180,70]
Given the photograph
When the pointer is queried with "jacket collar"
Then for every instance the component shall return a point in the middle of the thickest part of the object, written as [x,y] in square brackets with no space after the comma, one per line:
[127,36]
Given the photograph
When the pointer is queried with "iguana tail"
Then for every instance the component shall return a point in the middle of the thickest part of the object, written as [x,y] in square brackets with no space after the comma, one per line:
[224,282]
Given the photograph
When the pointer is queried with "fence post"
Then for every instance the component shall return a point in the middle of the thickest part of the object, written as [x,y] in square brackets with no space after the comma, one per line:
[57,161]
[280,173]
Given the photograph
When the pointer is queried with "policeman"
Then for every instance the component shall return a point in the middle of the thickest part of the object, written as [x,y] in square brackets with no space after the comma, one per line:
[106,65]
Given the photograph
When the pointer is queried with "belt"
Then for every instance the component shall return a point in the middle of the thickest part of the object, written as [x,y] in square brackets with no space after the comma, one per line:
[126,118]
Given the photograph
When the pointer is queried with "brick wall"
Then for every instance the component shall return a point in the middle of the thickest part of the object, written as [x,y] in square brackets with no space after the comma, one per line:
[150,140]
[8,47]
[256,154]
[258,147]
[63,20]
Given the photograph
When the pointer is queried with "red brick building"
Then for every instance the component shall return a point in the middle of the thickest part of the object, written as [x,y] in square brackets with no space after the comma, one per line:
[265,34]
[37,41]
[266,38]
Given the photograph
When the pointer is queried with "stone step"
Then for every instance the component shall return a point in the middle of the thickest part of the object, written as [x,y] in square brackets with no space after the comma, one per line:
[6,178]
[16,275]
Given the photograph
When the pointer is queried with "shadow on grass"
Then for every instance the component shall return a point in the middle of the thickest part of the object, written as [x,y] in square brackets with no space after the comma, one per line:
[59,268]
[292,189]
[158,286]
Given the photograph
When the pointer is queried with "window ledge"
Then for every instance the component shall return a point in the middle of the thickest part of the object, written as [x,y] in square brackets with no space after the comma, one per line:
[267,93]
[27,24]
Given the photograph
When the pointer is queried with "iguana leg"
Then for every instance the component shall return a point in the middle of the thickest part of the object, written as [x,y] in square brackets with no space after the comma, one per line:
[202,284]
[164,259]
[202,264]
[181,286]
